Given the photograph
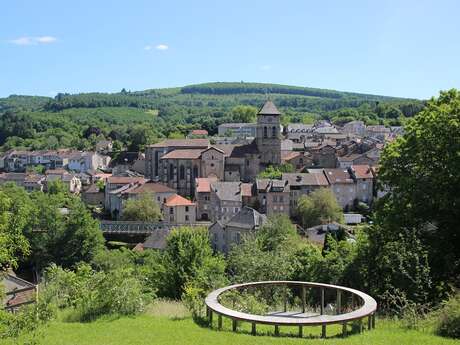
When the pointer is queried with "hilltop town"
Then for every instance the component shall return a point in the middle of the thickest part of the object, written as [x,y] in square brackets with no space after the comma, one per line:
[220,181]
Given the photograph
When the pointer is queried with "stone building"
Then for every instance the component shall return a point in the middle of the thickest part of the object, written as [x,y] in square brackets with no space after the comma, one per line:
[154,152]
[178,210]
[364,179]
[273,196]
[226,234]
[203,197]
[342,185]
[180,168]
[227,198]
[303,184]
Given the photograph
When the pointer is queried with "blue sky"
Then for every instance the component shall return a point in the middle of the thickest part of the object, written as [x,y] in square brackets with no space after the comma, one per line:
[398,48]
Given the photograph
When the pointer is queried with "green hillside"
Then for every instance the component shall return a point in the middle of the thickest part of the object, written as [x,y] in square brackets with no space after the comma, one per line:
[142,117]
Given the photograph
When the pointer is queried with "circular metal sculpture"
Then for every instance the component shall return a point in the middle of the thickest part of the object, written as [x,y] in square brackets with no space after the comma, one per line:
[362,305]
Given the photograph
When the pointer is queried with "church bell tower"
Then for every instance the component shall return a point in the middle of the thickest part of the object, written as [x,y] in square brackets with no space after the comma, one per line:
[268,137]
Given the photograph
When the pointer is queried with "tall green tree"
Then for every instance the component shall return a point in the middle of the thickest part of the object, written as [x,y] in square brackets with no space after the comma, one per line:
[15,210]
[421,169]
[319,207]
[143,209]
[244,113]
[188,257]
[65,233]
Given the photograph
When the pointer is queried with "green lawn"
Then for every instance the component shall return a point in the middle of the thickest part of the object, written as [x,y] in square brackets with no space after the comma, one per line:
[179,329]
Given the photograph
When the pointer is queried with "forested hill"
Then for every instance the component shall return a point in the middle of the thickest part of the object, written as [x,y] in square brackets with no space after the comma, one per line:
[139,117]
[225,88]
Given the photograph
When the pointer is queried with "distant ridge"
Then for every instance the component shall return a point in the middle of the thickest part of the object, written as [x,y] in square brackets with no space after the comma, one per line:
[227,88]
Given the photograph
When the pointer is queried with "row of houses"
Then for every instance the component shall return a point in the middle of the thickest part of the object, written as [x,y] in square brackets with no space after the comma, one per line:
[221,200]
[76,161]
[40,182]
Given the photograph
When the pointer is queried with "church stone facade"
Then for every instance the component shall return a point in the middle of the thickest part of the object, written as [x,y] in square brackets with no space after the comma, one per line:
[177,163]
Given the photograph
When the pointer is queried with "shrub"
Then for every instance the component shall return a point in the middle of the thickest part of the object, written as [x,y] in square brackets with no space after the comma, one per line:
[449,318]
[93,294]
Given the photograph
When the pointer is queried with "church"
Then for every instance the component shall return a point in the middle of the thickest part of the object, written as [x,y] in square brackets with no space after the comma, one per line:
[177,163]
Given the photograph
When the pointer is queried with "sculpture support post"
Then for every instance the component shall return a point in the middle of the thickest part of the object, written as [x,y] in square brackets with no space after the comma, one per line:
[322,302]
[323,331]
[339,301]
[304,292]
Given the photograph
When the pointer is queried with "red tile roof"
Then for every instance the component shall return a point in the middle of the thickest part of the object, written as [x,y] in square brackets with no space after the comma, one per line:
[288,155]
[124,179]
[177,200]
[204,143]
[246,189]
[203,184]
[150,187]
[199,132]
[362,171]
[335,176]
[183,154]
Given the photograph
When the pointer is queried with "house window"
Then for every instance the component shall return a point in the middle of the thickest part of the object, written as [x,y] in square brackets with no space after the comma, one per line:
[186,218]
[281,208]
[238,238]
[236,209]
[274,132]
[275,198]
[186,208]
[171,171]
[195,171]
[281,198]
[182,172]
[212,165]
[265,132]
[171,210]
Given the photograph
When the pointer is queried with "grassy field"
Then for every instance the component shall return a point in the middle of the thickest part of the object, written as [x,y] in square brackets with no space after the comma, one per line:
[169,324]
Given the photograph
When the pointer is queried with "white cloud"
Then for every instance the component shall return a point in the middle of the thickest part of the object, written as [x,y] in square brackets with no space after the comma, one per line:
[46,39]
[30,41]
[23,41]
[148,48]
[265,67]
[162,47]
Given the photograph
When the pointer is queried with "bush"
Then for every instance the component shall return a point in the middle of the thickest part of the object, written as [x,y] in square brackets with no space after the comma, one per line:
[92,294]
[449,318]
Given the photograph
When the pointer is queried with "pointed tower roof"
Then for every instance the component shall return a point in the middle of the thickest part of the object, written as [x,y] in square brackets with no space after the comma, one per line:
[269,108]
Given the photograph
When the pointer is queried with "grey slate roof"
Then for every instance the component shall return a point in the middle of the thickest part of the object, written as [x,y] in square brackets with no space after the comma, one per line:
[157,240]
[304,179]
[229,191]
[269,108]
[247,218]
